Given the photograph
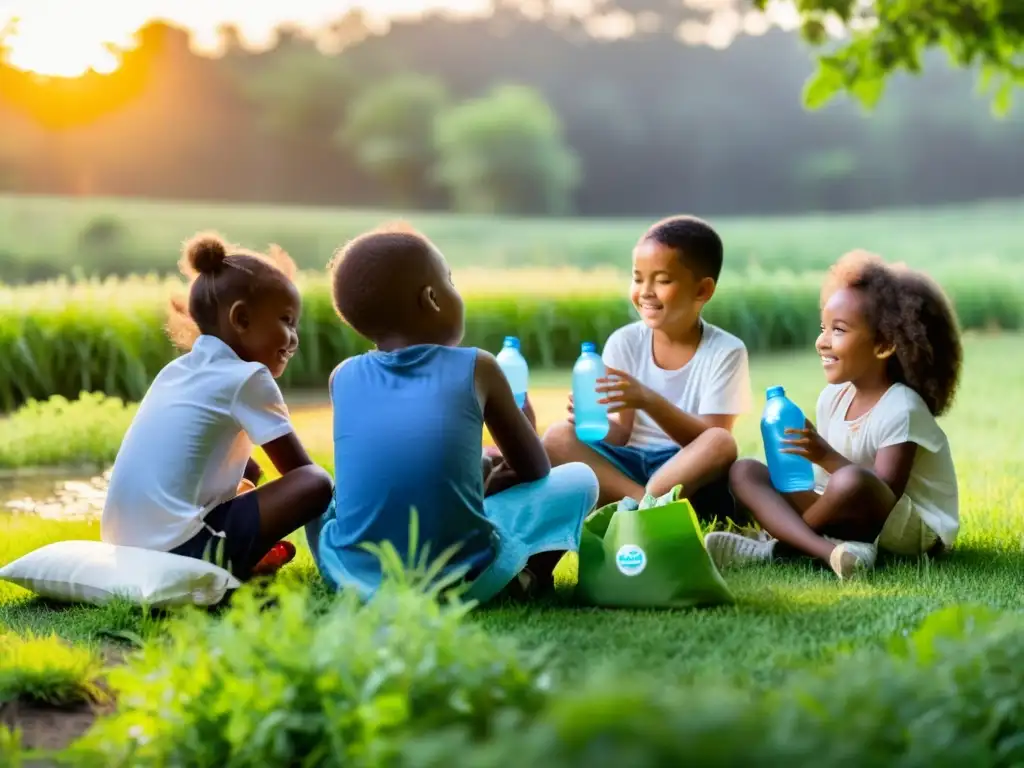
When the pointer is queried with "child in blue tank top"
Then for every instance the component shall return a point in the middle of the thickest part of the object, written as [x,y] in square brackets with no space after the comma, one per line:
[408,434]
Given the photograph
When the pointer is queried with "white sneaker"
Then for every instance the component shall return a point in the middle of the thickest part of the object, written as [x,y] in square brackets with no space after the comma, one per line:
[851,558]
[732,548]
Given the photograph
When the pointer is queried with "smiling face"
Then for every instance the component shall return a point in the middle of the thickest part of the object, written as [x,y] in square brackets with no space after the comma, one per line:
[848,344]
[664,291]
[267,327]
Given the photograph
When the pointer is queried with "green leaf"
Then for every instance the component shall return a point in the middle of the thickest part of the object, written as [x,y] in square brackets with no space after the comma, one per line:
[868,90]
[1003,101]
[822,86]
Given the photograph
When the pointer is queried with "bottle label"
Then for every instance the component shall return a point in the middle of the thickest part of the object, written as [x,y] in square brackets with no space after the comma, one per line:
[630,560]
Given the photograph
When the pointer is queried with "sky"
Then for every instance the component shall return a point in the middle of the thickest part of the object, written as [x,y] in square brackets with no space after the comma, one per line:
[67,38]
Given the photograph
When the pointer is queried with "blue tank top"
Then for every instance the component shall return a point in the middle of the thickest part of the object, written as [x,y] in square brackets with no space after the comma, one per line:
[408,434]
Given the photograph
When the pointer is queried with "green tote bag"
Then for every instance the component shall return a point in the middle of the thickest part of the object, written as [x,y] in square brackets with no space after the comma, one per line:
[649,555]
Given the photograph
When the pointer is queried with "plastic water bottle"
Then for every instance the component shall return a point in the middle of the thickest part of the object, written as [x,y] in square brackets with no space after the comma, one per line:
[790,473]
[591,416]
[516,370]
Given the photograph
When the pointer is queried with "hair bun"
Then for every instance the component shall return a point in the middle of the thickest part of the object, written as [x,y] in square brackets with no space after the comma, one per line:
[206,253]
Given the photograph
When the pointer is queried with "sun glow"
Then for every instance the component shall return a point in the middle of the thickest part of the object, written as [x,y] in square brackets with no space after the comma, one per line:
[68,38]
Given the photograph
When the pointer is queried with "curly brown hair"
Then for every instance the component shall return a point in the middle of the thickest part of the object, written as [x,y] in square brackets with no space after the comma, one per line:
[910,311]
[218,274]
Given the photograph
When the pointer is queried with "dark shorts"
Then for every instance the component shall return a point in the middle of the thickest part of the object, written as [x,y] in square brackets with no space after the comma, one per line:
[230,538]
[712,501]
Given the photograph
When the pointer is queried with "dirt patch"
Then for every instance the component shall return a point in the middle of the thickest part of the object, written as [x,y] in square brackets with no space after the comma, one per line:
[52,729]
[49,729]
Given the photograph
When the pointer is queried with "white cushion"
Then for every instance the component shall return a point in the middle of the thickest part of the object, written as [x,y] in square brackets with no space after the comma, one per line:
[94,572]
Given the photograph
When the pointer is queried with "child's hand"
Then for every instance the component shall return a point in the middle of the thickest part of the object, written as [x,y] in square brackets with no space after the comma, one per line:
[622,392]
[501,478]
[808,443]
[571,411]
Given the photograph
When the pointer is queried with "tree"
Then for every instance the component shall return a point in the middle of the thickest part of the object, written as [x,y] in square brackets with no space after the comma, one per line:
[506,153]
[300,93]
[860,43]
[389,129]
[882,37]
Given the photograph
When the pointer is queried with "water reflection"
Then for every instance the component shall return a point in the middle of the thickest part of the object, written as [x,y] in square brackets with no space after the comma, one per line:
[55,498]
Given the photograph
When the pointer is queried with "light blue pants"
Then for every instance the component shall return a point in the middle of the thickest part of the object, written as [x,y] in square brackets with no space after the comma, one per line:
[533,518]
[530,519]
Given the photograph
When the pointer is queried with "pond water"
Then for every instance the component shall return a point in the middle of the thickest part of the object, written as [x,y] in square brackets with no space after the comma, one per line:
[66,496]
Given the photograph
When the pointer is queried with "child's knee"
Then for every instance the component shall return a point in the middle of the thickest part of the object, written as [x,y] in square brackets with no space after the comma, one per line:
[583,481]
[747,473]
[721,447]
[560,441]
[857,485]
[318,485]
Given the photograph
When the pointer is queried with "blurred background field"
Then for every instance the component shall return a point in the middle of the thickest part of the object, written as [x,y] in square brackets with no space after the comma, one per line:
[44,237]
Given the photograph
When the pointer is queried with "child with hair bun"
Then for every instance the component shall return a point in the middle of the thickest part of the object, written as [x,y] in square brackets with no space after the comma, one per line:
[884,475]
[178,480]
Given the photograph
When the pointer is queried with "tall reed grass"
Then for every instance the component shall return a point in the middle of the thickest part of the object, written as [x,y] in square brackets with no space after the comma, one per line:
[62,338]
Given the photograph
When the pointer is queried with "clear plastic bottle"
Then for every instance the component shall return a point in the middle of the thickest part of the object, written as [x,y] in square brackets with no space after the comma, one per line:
[516,369]
[591,416]
[789,473]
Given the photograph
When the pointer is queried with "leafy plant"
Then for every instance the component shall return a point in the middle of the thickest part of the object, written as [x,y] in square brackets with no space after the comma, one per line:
[11,755]
[948,694]
[86,431]
[311,683]
[45,670]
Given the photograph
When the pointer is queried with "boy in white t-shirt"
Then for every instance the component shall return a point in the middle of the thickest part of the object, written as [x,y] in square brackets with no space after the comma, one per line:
[676,383]
[884,475]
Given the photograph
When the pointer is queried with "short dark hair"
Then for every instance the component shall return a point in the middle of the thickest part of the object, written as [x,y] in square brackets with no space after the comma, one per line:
[370,266]
[694,240]
[220,274]
[909,310]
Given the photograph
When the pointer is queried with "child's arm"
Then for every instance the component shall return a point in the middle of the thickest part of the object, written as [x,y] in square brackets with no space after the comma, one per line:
[892,463]
[517,440]
[260,410]
[624,394]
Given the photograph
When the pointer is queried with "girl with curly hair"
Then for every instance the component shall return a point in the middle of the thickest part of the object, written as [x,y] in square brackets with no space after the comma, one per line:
[884,476]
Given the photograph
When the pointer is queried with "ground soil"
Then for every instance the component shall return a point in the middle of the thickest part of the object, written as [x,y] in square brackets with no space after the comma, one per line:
[52,729]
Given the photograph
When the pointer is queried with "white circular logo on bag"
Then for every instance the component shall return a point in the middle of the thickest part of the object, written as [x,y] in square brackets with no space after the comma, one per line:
[631,560]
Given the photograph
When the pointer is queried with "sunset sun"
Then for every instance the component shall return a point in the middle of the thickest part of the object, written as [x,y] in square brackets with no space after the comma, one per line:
[61,39]
[68,38]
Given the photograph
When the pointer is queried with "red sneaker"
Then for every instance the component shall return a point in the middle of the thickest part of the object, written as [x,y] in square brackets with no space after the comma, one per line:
[279,556]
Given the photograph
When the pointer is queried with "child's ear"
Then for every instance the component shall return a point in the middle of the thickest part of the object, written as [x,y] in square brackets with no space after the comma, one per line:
[238,316]
[705,289]
[428,299]
[885,350]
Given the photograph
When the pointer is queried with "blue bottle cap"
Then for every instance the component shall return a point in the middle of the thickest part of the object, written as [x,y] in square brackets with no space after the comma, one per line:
[589,346]
[512,341]
[776,391]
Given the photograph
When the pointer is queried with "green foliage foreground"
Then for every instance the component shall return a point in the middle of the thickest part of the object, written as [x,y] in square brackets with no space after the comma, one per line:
[64,339]
[404,681]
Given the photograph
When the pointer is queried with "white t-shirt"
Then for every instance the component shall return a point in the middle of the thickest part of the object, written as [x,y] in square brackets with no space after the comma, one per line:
[900,416]
[715,381]
[187,448]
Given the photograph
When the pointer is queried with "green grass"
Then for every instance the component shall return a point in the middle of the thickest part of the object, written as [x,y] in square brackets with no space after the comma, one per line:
[44,236]
[786,615]
[47,670]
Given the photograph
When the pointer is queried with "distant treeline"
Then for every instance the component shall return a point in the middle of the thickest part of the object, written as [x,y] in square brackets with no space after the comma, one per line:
[640,127]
